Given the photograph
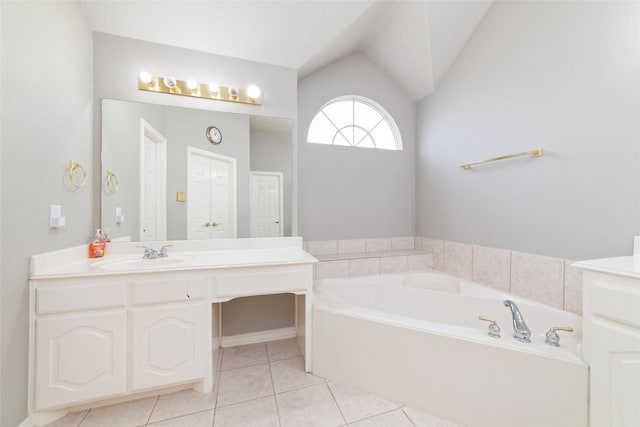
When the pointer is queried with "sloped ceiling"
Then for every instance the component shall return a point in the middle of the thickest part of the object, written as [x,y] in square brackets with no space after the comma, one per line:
[415,42]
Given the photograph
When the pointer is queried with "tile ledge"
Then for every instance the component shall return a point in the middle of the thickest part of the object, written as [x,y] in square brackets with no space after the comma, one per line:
[363,255]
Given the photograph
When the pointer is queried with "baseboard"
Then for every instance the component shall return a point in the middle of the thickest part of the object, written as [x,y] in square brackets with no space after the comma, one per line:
[260,336]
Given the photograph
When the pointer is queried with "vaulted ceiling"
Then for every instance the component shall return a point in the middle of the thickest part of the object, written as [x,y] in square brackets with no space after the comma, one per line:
[414,42]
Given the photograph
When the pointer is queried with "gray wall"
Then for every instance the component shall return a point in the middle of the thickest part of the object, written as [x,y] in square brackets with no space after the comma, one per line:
[46,117]
[346,192]
[558,75]
[271,152]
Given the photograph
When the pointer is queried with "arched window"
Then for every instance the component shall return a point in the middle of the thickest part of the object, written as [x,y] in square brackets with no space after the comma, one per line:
[354,121]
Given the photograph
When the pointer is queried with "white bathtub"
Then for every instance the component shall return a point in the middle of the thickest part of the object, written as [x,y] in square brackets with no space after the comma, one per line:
[416,339]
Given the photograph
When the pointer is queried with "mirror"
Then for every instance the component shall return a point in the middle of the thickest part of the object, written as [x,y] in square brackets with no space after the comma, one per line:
[153,156]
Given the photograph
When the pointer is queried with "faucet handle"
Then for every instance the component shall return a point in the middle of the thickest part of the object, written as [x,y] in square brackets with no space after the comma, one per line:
[552,337]
[494,329]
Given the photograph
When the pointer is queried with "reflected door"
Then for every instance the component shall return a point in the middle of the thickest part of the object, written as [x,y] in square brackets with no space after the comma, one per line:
[266,204]
[211,201]
[152,183]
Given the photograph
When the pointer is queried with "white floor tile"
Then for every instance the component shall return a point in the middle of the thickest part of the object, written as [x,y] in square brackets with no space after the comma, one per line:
[182,403]
[242,384]
[200,419]
[254,413]
[127,414]
[243,355]
[357,405]
[283,349]
[72,419]
[309,407]
[422,419]
[289,374]
[395,418]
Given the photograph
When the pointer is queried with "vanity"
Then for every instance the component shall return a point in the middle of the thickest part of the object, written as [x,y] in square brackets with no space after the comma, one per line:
[119,326]
[611,339]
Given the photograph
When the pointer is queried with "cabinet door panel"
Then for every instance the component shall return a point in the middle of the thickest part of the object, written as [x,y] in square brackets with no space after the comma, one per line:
[615,375]
[79,358]
[167,345]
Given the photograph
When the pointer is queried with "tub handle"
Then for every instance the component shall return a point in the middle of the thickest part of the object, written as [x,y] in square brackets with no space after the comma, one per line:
[552,337]
[494,329]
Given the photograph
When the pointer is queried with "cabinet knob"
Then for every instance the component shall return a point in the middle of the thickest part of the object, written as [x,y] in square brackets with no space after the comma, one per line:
[208,224]
[277,221]
[215,224]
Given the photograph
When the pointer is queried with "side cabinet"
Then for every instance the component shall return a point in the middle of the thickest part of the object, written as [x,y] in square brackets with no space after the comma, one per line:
[612,348]
[80,357]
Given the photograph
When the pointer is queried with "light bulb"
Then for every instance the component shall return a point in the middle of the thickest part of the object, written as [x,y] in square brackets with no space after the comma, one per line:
[192,84]
[145,77]
[253,91]
[213,87]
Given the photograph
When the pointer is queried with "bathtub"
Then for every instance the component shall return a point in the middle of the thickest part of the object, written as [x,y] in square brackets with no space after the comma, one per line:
[415,338]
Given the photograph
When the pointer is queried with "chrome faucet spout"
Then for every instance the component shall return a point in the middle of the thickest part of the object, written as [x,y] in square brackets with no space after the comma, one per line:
[520,330]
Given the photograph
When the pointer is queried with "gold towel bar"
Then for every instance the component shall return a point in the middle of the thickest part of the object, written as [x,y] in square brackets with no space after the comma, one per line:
[537,152]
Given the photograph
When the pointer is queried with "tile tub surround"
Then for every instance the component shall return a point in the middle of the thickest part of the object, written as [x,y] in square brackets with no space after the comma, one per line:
[271,391]
[552,281]
[362,257]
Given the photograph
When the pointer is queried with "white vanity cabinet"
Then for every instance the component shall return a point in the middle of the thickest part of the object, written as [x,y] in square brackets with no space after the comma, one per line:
[80,341]
[611,334]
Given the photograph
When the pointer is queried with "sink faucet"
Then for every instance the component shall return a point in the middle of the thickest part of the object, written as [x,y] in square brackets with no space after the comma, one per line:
[520,330]
[150,253]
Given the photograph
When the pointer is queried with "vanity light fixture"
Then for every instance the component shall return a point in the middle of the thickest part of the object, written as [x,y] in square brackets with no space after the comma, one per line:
[169,84]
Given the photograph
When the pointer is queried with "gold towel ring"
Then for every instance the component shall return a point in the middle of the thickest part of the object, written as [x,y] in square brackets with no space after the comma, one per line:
[111,182]
[72,168]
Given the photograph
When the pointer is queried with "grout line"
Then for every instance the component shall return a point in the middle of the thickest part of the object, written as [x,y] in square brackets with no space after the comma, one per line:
[337,404]
[82,419]
[407,415]
[152,409]
[273,388]
[181,416]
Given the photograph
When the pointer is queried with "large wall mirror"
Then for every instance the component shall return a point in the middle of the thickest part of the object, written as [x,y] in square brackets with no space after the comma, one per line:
[163,179]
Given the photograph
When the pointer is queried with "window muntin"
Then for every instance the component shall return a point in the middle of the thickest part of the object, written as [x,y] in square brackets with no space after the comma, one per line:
[356,122]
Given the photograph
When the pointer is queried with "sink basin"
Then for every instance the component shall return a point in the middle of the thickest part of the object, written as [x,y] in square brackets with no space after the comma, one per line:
[133,264]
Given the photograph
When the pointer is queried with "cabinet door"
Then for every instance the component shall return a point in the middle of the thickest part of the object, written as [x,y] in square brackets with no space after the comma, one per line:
[168,345]
[79,358]
[615,375]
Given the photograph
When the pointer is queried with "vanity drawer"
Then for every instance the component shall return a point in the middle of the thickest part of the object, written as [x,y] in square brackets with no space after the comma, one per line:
[162,289]
[262,281]
[80,296]
[617,300]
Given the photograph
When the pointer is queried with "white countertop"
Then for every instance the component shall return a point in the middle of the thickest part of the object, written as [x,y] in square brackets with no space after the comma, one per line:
[628,266]
[126,257]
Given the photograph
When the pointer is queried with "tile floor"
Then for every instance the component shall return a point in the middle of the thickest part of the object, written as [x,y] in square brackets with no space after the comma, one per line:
[259,385]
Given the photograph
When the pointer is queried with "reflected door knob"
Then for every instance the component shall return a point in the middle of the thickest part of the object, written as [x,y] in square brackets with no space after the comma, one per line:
[207,224]
[214,224]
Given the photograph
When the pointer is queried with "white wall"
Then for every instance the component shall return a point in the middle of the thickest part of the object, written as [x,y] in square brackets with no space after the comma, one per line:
[46,107]
[563,76]
[350,193]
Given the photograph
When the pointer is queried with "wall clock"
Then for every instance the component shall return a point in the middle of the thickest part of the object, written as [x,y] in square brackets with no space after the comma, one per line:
[214,135]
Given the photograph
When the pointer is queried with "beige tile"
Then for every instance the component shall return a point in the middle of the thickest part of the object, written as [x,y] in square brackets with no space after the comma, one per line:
[351,246]
[289,374]
[357,405]
[322,247]
[458,259]
[283,349]
[331,269]
[378,245]
[199,419]
[182,403]
[572,288]
[242,384]
[393,264]
[309,407]
[254,413]
[243,355]
[418,242]
[364,267]
[436,247]
[72,419]
[422,419]
[538,278]
[399,243]
[127,414]
[419,262]
[395,418]
[492,267]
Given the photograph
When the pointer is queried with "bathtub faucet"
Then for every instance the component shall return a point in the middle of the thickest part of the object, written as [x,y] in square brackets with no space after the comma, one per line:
[520,330]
